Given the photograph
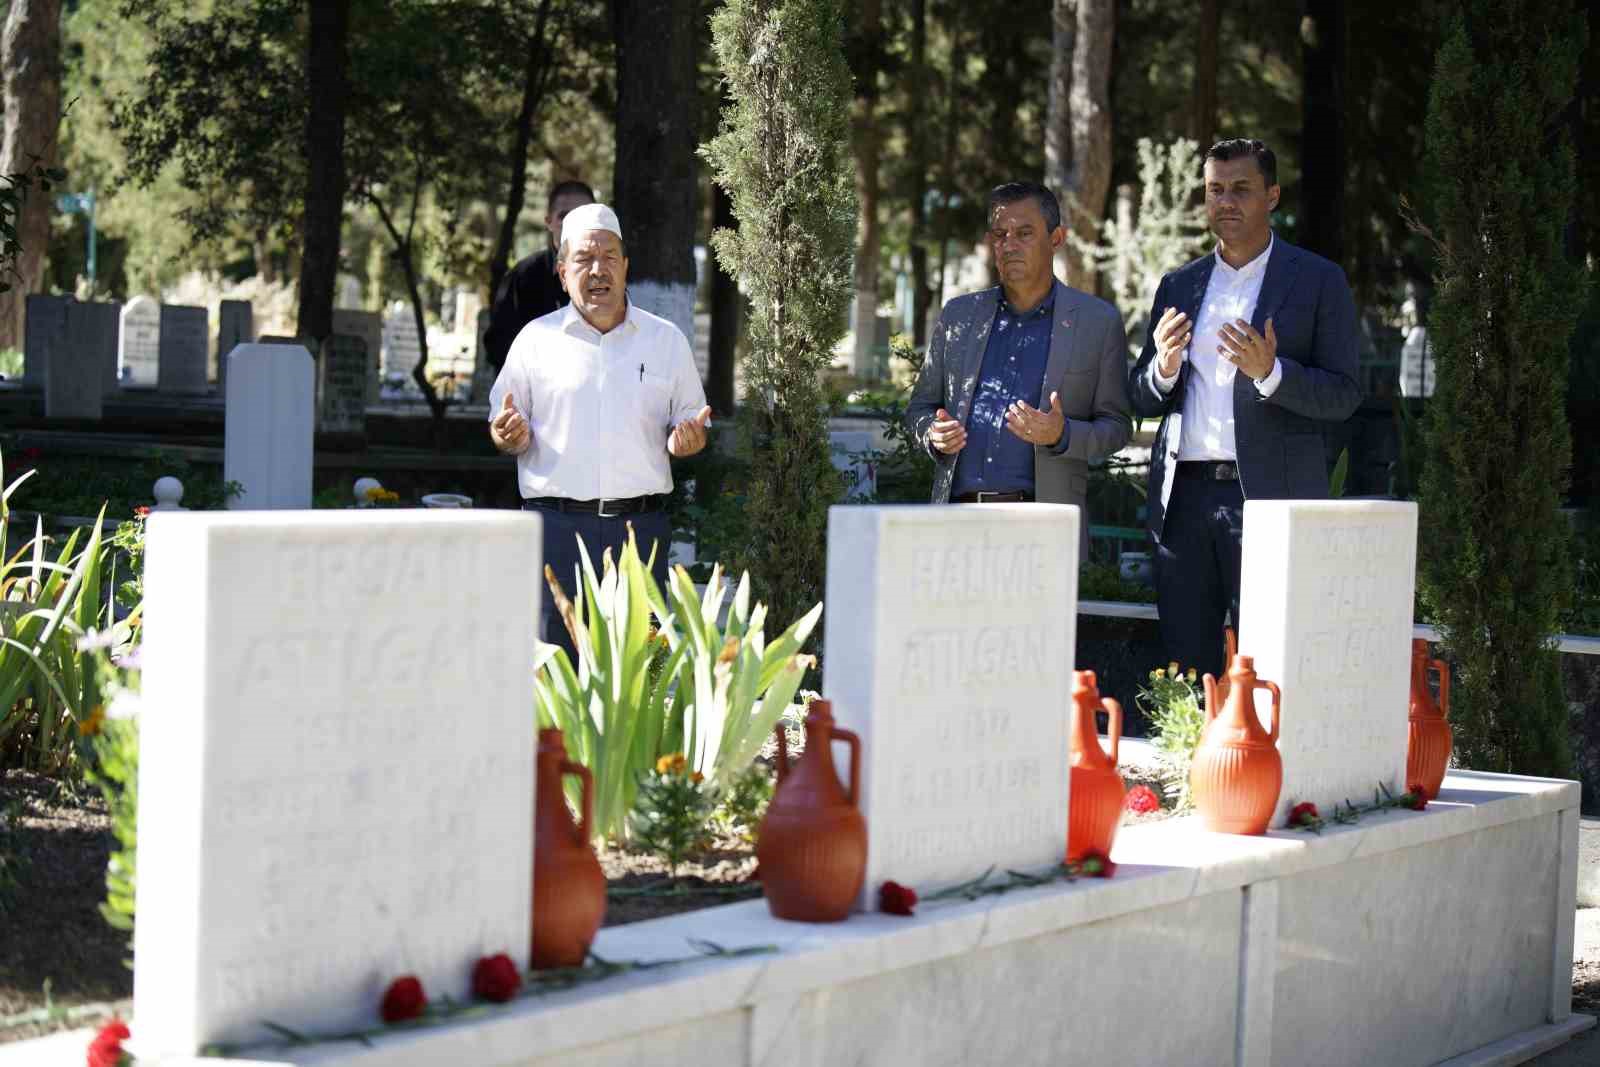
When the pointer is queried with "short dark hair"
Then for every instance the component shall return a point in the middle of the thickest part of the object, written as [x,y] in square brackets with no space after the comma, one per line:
[571,185]
[1238,148]
[1011,192]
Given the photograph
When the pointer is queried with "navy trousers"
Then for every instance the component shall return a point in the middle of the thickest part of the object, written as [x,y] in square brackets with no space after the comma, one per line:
[1197,570]
[562,529]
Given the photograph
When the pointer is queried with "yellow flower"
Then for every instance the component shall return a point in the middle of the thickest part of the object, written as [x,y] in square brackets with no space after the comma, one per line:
[375,493]
[697,777]
[91,726]
[1191,675]
[1172,668]
[1159,672]
[673,763]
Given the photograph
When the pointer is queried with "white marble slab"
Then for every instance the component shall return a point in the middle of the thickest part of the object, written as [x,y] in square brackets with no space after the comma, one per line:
[139,342]
[1325,606]
[325,802]
[949,650]
[267,431]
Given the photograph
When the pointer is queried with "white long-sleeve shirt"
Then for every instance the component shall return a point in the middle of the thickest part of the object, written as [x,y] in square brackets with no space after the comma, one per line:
[600,407]
[1231,294]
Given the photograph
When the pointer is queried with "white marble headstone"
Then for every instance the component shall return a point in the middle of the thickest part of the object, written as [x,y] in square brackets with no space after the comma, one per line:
[326,800]
[949,650]
[1325,607]
[268,424]
[235,326]
[44,329]
[401,347]
[185,344]
[82,364]
[367,325]
[139,345]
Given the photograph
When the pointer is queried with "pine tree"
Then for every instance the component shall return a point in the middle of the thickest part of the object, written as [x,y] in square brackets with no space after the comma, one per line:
[1494,543]
[783,155]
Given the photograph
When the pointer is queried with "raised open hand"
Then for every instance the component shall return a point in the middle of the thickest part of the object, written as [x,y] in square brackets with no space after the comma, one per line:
[689,436]
[1034,426]
[509,430]
[946,434]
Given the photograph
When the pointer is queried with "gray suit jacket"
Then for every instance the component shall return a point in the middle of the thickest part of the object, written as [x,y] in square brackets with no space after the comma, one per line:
[1279,438]
[1087,366]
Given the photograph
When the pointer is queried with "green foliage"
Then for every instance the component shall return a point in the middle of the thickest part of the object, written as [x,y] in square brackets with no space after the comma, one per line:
[783,155]
[11,364]
[1341,471]
[1584,615]
[905,470]
[745,800]
[14,192]
[672,812]
[1104,581]
[68,485]
[733,684]
[13,864]
[1494,570]
[1170,230]
[116,775]
[1172,704]
[683,684]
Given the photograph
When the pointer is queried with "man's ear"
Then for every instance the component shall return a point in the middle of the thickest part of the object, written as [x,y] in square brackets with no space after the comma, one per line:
[1273,195]
[1058,237]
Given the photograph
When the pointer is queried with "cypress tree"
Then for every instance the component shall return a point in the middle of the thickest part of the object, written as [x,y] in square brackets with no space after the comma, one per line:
[782,154]
[1494,547]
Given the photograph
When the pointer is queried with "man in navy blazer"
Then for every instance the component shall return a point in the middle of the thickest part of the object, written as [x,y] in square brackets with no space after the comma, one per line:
[1025,383]
[1250,350]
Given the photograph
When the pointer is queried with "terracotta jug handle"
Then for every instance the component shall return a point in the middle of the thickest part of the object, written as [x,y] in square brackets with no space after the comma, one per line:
[569,767]
[1444,686]
[1277,704]
[782,764]
[849,737]
[1113,723]
[1211,697]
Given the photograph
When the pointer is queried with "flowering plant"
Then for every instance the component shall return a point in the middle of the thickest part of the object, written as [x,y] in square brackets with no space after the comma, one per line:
[495,978]
[106,1048]
[897,899]
[1141,800]
[1172,704]
[671,811]
[1305,816]
[403,1000]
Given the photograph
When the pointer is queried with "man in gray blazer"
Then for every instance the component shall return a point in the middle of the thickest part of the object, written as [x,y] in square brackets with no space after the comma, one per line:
[1250,351]
[1024,384]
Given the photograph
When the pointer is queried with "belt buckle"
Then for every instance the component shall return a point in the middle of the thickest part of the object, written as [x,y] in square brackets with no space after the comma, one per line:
[600,510]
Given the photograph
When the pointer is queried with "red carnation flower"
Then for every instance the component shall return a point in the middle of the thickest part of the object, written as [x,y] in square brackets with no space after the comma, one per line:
[1304,815]
[404,1000]
[1096,865]
[1142,800]
[495,978]
[142,511]
[106,1048]
[897,899]
[1419,798]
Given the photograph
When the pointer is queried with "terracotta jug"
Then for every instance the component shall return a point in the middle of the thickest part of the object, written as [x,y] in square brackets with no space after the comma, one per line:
[1237,771]
[569,888]
[1095,790]
[812,845]
[1429,741]
[1232,641]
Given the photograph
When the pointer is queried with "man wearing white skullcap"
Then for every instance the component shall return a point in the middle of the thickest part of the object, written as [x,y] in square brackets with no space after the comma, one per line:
[592,400]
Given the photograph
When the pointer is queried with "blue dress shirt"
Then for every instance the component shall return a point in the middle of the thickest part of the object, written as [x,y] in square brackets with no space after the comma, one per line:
[995,460]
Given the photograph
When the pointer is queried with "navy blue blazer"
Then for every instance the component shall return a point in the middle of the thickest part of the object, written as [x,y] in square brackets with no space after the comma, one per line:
[1279,438]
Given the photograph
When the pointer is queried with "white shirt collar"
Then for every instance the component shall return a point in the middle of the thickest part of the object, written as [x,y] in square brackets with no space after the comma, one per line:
[572,316]
[1250,269]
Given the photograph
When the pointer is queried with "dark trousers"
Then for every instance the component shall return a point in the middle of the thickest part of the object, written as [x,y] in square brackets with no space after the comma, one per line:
[562,529]
[1197,570]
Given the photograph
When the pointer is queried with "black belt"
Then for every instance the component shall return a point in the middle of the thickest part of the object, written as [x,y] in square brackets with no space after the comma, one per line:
[1016,496]
[1212,470]
[605,509]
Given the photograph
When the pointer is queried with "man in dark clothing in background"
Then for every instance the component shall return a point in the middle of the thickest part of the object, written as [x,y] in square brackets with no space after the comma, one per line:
[531,289]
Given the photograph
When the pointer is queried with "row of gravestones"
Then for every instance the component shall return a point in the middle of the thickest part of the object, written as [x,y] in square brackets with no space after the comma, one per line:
[79,353]
[310,824]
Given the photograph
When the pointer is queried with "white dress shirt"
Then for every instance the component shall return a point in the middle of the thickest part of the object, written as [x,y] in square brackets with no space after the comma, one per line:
[600,406]
[1207,432]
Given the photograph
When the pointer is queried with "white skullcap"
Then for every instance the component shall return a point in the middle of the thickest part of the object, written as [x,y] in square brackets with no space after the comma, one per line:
[590,217]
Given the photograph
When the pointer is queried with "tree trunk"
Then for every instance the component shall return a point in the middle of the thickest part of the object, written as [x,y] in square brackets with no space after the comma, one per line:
[869,238]
[326,60]
[1322,137]
[726,305]
[30,64]
[1203,116]
[1085,125]
[1058,108]
[654,177]
[535,79]
[918,145]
